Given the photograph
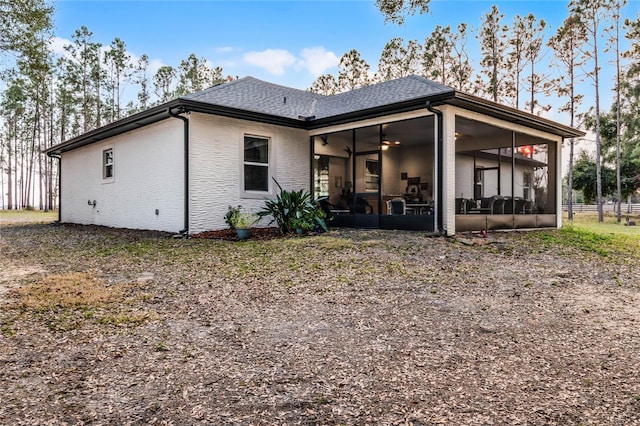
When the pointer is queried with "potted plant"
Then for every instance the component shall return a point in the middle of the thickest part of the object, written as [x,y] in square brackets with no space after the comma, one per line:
[241,221]
[301,224]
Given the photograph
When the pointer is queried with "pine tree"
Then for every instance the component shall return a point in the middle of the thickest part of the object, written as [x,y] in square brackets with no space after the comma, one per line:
[591,14]
[325,84]
[396,10]
[142,80]
[630,102]
[614,43]
[493,46]
[461,68]
[162,82]
[398,60]
[353,71]
[119,66]
[25,28]
[437,60]
[534,30]
[195,75]
[516,59]
[85,72]
[566,45]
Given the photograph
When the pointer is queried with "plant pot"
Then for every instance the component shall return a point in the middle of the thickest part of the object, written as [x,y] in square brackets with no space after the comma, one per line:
[299,231]
[243,233]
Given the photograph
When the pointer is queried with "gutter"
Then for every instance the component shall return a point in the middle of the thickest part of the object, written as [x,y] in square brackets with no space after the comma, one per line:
[439,149]
[379,111]
[126,124]
[185,120]
[513,115]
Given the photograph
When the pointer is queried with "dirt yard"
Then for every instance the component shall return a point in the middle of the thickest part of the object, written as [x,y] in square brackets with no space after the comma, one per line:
[102,326]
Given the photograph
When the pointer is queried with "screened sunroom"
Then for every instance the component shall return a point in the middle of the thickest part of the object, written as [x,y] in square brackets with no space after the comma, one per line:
[505,179]
[377,176]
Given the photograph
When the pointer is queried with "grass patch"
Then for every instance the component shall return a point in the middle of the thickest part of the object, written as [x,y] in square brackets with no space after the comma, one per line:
[608,239]
[27,216]
[589,222]
[71,291]
[67,302]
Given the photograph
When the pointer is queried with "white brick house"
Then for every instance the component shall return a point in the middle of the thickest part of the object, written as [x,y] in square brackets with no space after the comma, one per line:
[176,167]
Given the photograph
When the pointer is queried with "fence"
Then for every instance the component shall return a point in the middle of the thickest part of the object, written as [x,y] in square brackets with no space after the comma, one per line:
[606,208]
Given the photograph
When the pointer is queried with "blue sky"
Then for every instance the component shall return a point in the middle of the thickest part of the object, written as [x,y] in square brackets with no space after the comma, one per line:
[285,42]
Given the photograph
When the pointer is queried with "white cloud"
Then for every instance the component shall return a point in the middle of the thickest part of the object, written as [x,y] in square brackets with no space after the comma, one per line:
[317,60]
[57,45]
[273,60]
[154,65]
[224,49]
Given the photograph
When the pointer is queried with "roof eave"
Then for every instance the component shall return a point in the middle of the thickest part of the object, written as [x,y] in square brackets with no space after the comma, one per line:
[202,107]
[380,111]
[132,122]
[512,115]
[161,112]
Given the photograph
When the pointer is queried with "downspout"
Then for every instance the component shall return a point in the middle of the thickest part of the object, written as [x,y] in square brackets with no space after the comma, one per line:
[59,158]
[439,164]
[312,150]
[185,120]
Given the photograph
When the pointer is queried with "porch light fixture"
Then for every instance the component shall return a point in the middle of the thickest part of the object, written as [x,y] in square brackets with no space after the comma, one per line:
[526,150]
[386,143]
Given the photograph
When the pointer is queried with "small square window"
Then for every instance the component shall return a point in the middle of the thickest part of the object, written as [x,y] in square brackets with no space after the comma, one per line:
[107,163]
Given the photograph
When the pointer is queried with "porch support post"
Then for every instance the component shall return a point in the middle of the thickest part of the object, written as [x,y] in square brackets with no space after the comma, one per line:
[312,150]
[449,169]
[513,179]
[558,178]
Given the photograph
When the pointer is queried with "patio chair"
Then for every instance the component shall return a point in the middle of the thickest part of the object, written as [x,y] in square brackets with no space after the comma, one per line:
[325,205]
[486,205]
[396,206]
[519,209]
[507,207]
[470,205]
[498,205]
[362,206]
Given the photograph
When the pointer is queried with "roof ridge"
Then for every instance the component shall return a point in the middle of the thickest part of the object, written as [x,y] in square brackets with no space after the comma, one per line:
[217,86]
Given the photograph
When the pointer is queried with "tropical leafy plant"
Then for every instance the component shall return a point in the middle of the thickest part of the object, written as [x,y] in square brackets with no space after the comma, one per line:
[302,224]
[291,208]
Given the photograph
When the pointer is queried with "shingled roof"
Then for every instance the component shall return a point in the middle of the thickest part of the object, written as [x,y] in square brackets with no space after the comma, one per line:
[251,99]
[251,94]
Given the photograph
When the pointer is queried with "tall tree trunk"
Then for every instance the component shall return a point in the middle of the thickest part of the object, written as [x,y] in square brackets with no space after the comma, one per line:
[23,200]
[618,142]
[35,135]
[49,160]
[9,172]
[17,195]
[533,91]
[571,147]
[598,144]
[495,81]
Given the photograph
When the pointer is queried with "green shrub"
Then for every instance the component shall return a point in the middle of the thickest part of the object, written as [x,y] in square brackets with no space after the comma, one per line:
[293,209]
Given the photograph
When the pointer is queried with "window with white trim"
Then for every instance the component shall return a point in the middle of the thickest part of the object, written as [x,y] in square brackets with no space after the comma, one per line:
[527,183]
[107,164]
[256,164]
